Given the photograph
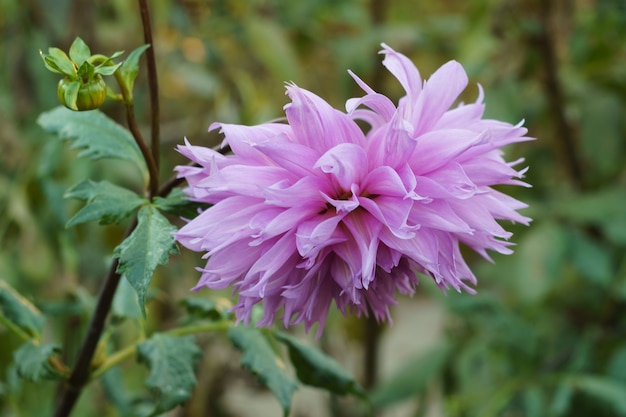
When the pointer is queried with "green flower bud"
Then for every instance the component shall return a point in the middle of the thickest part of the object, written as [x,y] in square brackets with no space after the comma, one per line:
[80,95]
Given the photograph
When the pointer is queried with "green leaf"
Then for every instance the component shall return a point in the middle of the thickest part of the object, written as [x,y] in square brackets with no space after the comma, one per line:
[616,368]
[412,378]
[106,202]
[206,308]
[540,261]
[130,68]
[86,70]
[58,61]
[317,369]
[150,244]
[259,358]
[70,94]
[171,360]
[50,64]
[593,207]
[606,390]
[591,258]
[602,133]
[116,54]
[125,302]
[79,51]
[96,134]
[116,392]
[34,362]
[561,400]
[20,312]
[107,69]
[178,203]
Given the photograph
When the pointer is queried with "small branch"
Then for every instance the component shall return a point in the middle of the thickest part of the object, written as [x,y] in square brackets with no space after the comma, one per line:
[15,329]
[554,92]
[153,168]
[131,350]
[152,82]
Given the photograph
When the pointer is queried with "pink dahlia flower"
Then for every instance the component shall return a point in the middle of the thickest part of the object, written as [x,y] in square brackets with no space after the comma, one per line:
[315,210]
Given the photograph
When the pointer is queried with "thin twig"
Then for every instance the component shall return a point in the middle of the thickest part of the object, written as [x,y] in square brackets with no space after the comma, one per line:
[153,167]
[554,92]
[153,83]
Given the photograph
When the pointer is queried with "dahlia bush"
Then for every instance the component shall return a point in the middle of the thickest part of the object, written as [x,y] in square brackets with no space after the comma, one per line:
[318,210]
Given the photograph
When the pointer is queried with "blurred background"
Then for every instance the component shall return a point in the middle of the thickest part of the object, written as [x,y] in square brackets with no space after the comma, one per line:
[546,333]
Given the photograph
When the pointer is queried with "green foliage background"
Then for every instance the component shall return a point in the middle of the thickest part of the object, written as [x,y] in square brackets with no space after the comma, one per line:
[546,333]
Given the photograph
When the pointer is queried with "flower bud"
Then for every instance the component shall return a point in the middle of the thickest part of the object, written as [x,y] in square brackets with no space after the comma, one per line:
[80,95]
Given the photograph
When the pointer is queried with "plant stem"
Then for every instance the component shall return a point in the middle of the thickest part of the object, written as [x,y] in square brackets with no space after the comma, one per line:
[372,344]
[152,81]
[153,168]
[131,350]
[554,93]
[15,329]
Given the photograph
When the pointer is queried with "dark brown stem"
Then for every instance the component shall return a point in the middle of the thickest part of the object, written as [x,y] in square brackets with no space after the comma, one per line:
[153,168]
[152,82]
[554,92]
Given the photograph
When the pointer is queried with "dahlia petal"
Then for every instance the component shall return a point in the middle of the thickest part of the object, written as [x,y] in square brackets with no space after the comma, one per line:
[362,84]
[391,212]
[479,217]
[243,139]
[316,124]
[403,69]
[296,158]
[370,117]
[220,270]
[384,180]
[343,205]
[488,171]
[218,224]
[455,181]
[199,154]
[439,93]
[391,144]
[281,221]
[364,230]
[315,234]
[379,103]
[281,255]
[307,190]
[244,179]
[346,162]
[441,216]
[437,148]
